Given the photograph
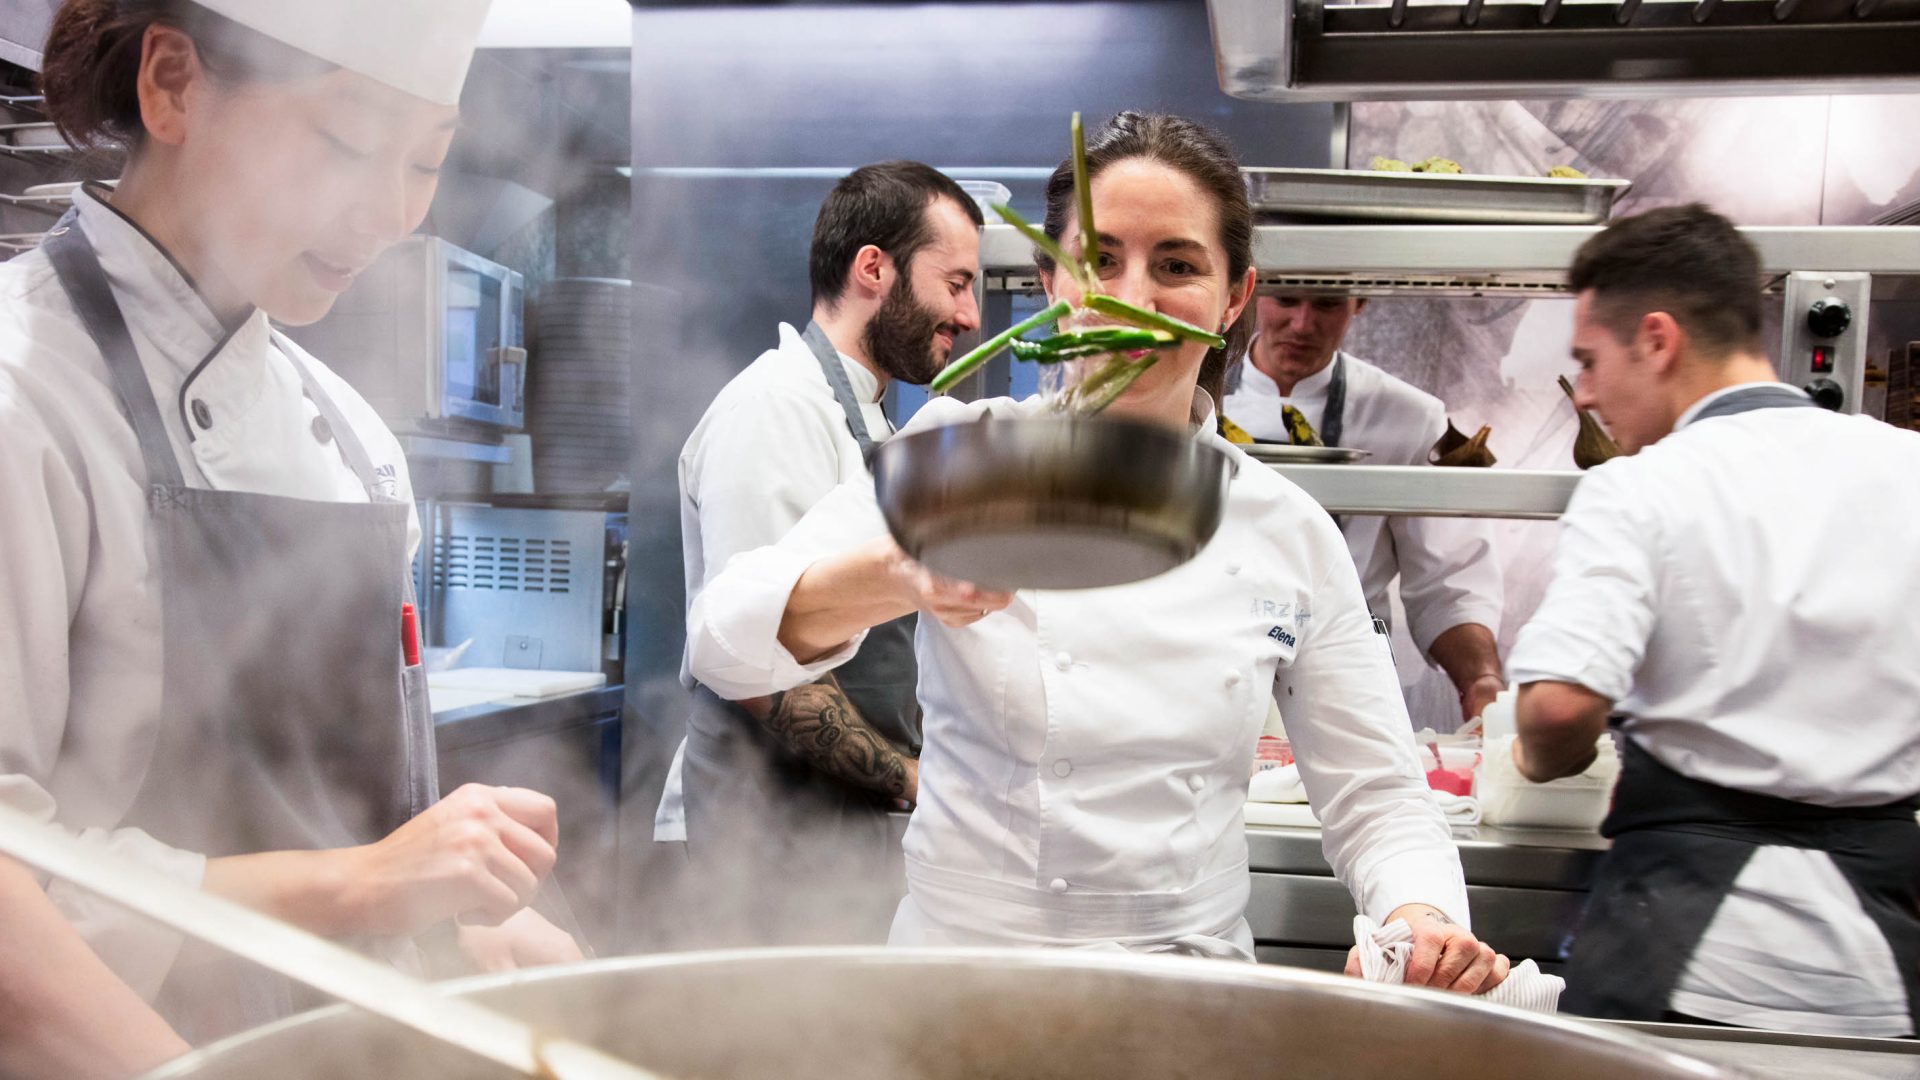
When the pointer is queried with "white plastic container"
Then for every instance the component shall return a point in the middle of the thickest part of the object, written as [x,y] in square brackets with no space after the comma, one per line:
[1572,802]
[986,193]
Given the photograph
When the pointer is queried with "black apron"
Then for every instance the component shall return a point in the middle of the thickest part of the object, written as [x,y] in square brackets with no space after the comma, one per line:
[1679,844]
[288,718]
[786,854]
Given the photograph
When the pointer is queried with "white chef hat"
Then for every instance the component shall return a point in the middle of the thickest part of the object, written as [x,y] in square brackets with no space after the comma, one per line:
[419,46]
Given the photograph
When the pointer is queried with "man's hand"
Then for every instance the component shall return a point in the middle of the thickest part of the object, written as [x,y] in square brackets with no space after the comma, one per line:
[1479,694]
[525,940]
[912,794]
[954,603]
[1469,656]
[1445,954]
[478,854]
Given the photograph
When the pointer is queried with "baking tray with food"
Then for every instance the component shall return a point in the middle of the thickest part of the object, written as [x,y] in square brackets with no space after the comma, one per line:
[1433,191]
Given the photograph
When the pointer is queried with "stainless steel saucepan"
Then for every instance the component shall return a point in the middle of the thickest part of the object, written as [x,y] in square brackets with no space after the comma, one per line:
[905,1014]
[1051,502]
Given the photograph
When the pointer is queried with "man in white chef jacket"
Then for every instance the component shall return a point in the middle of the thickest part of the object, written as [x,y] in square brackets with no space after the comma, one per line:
[785,797]
[1741,591]
[1450,584]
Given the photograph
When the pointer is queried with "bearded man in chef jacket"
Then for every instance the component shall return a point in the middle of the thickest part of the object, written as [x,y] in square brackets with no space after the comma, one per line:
[783,800]
[1741,592]
[1296,381]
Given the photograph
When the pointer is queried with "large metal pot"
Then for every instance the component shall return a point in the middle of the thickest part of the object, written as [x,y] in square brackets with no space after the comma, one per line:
[1051,502]
[895,1014]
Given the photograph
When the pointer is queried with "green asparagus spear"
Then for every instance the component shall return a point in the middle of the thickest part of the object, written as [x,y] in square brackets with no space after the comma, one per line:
[1120,309]
[961,368]
[1046,244]
[1083,193]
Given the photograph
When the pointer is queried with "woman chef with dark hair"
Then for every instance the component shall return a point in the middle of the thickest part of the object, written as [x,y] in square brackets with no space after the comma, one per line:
[205,534]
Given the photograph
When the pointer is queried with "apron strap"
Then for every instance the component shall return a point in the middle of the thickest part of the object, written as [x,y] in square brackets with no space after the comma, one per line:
[78,267]
[830,366]
[344,436]
[1753,398]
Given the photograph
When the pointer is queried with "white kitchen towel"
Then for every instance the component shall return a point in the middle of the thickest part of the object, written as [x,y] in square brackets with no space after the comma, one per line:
[1278,784]
[1461,810]
[1383,958]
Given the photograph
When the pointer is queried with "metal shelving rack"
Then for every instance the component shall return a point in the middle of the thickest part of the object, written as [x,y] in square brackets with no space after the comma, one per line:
[1482,260]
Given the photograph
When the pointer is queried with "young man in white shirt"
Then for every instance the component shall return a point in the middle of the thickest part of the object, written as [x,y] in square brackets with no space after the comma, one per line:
[787,795]
[1449,582]
[1741,591]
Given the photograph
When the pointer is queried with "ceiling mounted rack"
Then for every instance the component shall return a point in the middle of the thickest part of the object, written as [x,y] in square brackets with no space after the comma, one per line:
[1324,50]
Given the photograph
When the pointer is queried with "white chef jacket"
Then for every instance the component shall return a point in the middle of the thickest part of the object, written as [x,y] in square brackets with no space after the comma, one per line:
[1448,574]
[80,648]
[772,444]
[1745,591]
[1087,752]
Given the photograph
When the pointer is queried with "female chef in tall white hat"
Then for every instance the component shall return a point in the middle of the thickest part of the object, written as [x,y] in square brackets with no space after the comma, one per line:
[205,534]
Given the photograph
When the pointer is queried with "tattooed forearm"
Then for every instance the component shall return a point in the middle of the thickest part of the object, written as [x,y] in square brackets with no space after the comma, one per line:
[818,723]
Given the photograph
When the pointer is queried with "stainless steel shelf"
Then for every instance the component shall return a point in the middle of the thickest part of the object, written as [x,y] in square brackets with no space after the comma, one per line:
[1431,491]
[1479,259]
[433,446]
[1338,50]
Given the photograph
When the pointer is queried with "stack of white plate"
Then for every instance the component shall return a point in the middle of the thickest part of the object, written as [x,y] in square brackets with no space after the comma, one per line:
[579,371]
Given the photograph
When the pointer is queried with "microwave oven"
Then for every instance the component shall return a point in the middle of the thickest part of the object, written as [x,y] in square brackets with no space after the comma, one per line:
[433,336]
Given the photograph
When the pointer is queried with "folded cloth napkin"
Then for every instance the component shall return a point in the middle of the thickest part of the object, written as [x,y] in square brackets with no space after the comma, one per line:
[1278,784]
[1383,958]
[1461,810]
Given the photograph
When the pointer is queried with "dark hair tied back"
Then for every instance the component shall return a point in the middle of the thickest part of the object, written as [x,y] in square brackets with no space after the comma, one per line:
[90,67]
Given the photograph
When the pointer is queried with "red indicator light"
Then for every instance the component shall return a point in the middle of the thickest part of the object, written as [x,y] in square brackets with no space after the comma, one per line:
[1822,360]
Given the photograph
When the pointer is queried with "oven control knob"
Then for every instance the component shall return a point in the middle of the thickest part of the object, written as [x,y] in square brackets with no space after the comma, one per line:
[1826,393]
[1829,317]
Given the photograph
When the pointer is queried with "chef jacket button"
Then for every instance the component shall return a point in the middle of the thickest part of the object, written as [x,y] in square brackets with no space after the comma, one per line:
[1196,781]
[1233,677]
[322,431]
[1063,768]
[201,414]
[1063,661]
[1233,568]
[1058,885]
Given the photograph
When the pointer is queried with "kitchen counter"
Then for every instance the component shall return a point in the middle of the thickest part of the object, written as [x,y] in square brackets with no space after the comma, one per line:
[1778,1055]
[567,747]
[1526,887]
[475,725]
[1523,858]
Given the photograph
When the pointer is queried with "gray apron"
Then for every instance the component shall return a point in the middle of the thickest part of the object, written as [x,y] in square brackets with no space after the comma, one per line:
[288,719]
[785,853]
[1679,844]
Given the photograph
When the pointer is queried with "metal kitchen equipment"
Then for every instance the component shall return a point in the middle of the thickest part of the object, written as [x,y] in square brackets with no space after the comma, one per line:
[466,1030]
[1823,336]
[1341,50]
[924,1014]
[1051,502]
[531,588]
[433,337]
[1438,198]
[1865,262]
